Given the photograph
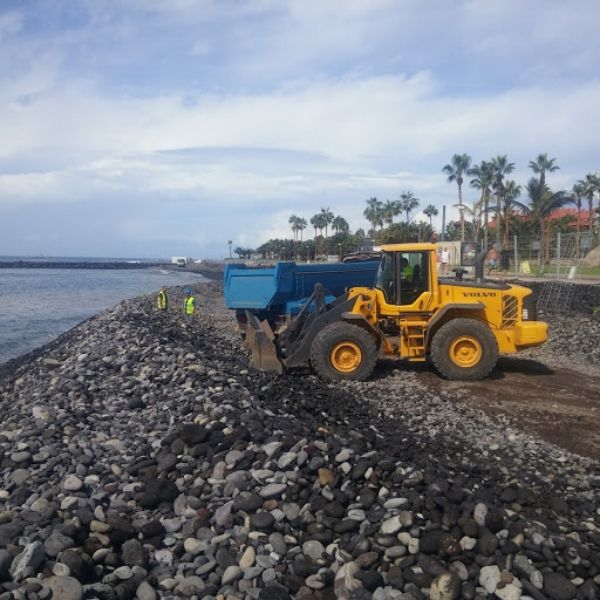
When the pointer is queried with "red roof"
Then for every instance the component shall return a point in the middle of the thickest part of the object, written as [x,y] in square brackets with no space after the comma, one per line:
[559,213]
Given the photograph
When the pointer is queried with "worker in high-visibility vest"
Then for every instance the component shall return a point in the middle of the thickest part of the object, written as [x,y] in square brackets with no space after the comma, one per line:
[162,302]
[189,305]
[407,270]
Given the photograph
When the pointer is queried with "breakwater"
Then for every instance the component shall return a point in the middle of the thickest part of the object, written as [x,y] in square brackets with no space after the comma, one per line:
[79,264]
[140,457]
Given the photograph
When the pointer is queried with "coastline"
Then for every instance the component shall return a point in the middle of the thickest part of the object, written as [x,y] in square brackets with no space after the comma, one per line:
[212,271]
[12,365]
[38,303]
[147,455]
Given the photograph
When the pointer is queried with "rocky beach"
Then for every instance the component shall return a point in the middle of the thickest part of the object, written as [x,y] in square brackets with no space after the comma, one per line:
[141,457]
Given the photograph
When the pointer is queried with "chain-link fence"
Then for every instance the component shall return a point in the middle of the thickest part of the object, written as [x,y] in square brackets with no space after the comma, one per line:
[558,254]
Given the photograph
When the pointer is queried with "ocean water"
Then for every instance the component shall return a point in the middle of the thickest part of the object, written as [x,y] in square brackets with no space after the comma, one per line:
[37,305]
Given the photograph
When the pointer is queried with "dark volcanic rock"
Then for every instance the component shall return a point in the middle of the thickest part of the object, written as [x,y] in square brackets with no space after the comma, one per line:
[157,491]
[191,433]
[141,457]
[247,502]
[558,587]
[262,521]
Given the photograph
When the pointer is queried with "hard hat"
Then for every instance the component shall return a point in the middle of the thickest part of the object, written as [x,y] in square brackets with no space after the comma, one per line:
[187,291]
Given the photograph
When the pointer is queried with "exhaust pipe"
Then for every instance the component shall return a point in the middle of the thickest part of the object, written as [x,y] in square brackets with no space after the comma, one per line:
[479,260]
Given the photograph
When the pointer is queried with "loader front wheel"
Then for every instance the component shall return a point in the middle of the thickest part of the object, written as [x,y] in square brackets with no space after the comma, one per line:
[464,349]
[343,351]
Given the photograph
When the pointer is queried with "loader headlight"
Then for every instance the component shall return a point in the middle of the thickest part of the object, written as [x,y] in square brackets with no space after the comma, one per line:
[525,314]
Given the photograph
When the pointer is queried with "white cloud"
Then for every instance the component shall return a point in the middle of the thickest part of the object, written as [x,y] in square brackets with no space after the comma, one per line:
[317,104]
[10,24]
[353,125]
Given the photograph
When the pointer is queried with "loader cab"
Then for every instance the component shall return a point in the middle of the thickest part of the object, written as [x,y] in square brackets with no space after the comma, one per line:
[404,275]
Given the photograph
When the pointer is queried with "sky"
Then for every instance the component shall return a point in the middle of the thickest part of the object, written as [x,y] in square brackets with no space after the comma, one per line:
[145,128]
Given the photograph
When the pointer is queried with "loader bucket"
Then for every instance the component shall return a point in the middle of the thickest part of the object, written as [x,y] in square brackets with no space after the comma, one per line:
[260,340]
[249,337]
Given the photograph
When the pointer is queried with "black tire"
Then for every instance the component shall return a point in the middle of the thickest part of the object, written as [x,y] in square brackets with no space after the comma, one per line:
[335,338]
[471,343]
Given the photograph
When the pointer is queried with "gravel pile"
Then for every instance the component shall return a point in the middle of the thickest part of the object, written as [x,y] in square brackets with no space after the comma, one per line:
[574,340]
[141,458]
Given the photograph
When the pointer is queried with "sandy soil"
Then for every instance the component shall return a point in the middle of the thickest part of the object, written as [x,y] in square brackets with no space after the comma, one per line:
[559,405]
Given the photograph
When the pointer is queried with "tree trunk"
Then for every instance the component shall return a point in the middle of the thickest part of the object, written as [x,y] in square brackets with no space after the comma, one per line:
[591,207]
[542,244]
[462,214]
[485,221]
[498,229]
[577,235]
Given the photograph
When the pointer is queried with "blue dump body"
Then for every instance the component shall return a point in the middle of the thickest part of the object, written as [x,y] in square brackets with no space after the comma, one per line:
[284,288]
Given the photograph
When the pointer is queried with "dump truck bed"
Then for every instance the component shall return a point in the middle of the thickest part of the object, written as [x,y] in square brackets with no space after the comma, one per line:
[284,287]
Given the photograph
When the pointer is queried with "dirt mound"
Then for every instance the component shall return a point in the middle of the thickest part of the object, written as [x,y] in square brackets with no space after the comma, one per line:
[592,259]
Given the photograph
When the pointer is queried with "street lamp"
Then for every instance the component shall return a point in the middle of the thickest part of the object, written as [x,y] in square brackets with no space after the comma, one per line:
[230,242]
[340,251]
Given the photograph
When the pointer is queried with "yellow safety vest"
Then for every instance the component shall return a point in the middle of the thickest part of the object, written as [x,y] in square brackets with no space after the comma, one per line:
[161,300]
[407,272]
[189,305]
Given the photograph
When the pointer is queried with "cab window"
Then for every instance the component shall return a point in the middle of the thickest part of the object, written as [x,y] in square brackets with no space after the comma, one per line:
[385,277]
[413,272]
[403,276]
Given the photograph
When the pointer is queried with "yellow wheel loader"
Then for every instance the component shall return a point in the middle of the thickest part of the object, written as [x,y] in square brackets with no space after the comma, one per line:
[460,325]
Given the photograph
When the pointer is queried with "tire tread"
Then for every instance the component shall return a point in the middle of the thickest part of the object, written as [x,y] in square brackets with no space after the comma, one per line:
[337,332]
[455,328]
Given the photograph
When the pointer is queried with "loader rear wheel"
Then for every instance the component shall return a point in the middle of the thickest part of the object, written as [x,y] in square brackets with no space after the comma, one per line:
[343,351]
[464,349]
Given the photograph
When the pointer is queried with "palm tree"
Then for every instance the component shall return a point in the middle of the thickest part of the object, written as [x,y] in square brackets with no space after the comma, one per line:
[431,211]
[578,192]
[591,185]
[315,221]
[501,167]
[511,192]
[293,221]
[340,225]
[542,165]
[389,210]
[319,222]
[475,212]
[456,169]
[301,225]
[408,203]
[542,203]
[327,218]
[483,178]
[373,212]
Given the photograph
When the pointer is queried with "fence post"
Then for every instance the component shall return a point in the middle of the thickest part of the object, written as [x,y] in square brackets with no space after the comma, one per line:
[558,255]
[516,248]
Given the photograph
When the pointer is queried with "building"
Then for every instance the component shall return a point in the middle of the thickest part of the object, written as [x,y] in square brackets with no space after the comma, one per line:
[559,213]
[180,261]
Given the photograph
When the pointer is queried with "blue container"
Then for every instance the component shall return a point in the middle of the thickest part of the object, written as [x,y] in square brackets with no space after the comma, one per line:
[284,288]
